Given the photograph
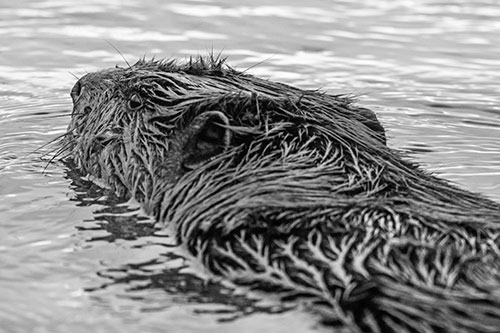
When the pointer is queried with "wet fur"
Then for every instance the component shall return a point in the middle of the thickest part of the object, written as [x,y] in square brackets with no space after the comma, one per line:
[307,200]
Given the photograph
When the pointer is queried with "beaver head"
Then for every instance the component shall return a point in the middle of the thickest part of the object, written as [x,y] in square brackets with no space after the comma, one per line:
[291,190]
[142,128]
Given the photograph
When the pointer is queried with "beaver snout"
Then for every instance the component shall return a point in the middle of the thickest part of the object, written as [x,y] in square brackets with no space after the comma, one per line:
[76,91]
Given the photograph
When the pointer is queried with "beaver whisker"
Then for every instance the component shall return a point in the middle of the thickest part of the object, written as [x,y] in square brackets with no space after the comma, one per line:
[74,75]
[57,155]
[57,140]
[120,53]
[60,115]
[257,64]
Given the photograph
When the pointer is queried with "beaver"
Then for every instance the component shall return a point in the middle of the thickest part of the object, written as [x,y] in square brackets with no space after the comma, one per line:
[293,192]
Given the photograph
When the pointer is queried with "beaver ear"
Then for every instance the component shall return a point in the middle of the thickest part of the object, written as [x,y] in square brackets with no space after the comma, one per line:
[208,136]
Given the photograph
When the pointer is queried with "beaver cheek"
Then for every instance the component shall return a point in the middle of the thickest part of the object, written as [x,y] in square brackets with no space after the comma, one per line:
[106,137]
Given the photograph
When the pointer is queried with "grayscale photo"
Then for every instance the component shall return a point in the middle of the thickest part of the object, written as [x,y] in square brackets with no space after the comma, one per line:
[194,166]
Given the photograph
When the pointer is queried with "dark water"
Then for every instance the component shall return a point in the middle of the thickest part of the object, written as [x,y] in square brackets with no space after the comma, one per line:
[73,259]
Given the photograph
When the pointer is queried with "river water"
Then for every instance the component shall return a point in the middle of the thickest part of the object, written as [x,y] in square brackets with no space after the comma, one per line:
[73,259]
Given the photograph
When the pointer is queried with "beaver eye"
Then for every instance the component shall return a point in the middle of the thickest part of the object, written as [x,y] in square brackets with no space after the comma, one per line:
[135,102]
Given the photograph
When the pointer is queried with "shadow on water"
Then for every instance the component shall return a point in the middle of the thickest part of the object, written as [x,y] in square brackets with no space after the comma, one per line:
[169,272]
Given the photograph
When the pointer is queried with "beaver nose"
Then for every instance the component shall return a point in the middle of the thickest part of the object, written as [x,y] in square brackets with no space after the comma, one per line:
[76,91]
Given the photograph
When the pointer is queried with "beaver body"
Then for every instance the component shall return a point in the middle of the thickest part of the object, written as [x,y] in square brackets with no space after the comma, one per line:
[294,192]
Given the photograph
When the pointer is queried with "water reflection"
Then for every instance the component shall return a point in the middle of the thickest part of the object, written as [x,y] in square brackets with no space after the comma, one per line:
[166,270]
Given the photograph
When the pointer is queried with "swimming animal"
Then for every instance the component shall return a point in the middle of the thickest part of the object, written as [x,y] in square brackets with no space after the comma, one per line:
[291,191]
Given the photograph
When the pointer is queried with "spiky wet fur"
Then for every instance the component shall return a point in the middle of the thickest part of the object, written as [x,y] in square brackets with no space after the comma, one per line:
[307,202]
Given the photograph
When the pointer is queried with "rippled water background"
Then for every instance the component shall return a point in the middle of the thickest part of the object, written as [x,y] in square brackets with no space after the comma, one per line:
[72,259]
